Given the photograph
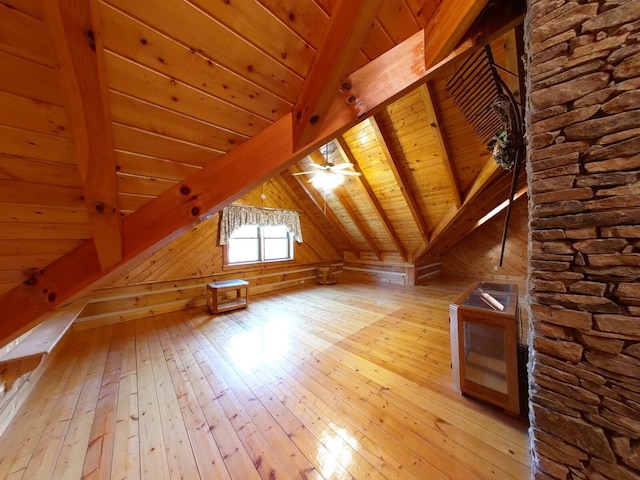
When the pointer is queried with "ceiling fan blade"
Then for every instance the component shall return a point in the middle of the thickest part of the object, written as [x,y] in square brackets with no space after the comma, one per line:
[309,172]
[342,166]
[351,174]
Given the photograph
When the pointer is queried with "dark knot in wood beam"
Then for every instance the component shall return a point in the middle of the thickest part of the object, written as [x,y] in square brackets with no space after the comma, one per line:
[91,37]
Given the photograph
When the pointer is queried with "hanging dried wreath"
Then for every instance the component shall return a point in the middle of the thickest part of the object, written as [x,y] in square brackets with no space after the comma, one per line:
[502,146]
[503,143]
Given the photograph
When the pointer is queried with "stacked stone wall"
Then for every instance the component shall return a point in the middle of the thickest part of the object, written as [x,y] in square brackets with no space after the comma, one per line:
[583,161]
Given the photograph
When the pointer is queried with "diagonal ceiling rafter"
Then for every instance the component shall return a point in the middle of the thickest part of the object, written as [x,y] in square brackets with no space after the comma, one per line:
[485,177]
[294,181]
[291,189]
[350,21]
[74,25]
[351,210]
[401,180]
[346,153]
[447,162]
[490,203]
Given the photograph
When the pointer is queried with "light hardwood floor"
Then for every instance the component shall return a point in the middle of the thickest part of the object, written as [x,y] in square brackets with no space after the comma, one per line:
[333,382]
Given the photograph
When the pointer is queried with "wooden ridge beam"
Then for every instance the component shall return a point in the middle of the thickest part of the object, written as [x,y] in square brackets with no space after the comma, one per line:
[349,23]
[296,181]
[78,42]
[227,178]
[401,180]
[346,153]
[426,95]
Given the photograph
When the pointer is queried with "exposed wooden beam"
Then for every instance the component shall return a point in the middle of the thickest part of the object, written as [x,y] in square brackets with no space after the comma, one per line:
[514,50]
[75,28]
[349,23]
[351,210]
[346,153]
[418,252]
[491,201]
[347,204]
[336,225]
[366,97]
[426,94]
[226,179]
[401,180]
[498,209]
[486,175]
[292,191]
[447,26]
[489,172]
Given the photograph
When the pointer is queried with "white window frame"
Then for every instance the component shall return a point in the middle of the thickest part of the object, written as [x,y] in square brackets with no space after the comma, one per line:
[260,239]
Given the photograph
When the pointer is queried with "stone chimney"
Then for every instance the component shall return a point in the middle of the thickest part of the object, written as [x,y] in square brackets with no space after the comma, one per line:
[583,161]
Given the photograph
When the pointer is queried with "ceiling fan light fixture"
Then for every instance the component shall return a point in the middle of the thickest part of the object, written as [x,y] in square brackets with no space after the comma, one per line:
[326,180]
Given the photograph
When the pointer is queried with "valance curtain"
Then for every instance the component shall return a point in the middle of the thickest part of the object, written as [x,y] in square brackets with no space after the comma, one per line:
[236,216]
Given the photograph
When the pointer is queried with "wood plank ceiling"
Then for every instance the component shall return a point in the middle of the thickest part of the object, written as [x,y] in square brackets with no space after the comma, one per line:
[109,105]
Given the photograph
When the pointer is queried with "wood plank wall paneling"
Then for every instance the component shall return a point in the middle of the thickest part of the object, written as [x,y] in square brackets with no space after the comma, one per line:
[366,268]
[477,255]
[174,277]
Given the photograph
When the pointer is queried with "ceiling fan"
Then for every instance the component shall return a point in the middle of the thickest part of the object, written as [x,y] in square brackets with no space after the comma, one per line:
[329,174]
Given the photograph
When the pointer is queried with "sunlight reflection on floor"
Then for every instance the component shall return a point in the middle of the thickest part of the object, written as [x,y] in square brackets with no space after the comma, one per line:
[261,344]
[338,444]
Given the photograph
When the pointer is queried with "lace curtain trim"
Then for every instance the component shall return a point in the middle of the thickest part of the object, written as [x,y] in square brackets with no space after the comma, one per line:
[236,216]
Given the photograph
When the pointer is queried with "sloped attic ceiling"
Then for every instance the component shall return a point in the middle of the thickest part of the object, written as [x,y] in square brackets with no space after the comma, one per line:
[125,122]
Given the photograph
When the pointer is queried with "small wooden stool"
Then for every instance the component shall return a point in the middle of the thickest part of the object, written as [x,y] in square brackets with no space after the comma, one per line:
[215,289]
[326,275]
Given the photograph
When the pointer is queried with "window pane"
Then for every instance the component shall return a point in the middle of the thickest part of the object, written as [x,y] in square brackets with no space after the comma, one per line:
[278,231]
[243,250]
[276,248]
[246,231]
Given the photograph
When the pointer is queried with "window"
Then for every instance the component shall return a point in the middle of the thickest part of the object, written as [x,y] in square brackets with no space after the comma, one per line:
[244,245]
[254,234]
[252,243]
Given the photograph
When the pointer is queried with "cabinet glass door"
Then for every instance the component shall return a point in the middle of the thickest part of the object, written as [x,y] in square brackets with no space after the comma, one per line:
[484,356]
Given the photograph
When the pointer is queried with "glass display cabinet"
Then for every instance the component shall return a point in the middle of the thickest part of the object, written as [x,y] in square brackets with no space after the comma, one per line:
[484,352]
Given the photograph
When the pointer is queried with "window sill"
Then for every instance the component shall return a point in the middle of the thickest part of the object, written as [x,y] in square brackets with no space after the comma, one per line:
[240,267]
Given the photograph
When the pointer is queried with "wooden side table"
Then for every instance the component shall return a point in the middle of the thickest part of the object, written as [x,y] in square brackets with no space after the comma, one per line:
[326,275]
[216,289]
